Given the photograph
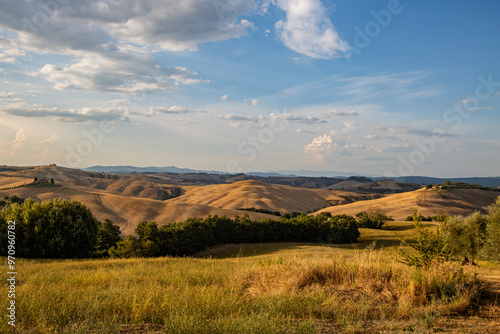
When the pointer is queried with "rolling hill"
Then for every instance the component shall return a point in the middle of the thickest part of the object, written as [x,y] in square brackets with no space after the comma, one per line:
[426,201]
[131,198]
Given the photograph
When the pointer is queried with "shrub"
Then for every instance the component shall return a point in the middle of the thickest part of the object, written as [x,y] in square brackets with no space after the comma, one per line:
[372,218]
[428,246]
[51,229]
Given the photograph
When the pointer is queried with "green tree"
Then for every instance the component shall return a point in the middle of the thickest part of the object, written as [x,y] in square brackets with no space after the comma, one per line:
[108,236]
[373,217]
[51,229]
[127,248]
[466,236]
[491,248]
[428,246]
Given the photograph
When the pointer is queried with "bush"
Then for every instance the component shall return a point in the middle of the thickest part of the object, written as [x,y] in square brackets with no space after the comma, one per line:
[51,229]
[372,218]
[428,246]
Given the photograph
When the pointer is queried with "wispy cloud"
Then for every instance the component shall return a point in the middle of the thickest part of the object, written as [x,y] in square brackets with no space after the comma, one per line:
[175,110]
[402,85]
[68,115]
[297,118]
[229,117]
[339,113]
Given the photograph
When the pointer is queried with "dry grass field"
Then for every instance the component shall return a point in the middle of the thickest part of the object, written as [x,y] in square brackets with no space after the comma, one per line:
[249,288]
[259,288]
[427,201]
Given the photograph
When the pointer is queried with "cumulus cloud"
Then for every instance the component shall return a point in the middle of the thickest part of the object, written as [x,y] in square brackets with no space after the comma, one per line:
[322,146]
[167,25]
[127,74]
[69,115]
[308,30]
[23,143]
[255,102]
[113,42]
[224,97]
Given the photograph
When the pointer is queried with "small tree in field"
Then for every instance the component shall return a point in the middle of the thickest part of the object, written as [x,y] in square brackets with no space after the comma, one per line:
[491,248]
[466,236]
[373,217]
[428,247]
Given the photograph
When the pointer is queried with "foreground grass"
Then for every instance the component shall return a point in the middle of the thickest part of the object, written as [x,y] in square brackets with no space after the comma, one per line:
[274,288]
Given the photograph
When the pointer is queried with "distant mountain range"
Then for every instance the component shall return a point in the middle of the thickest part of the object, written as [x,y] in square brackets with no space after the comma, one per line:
[424,180]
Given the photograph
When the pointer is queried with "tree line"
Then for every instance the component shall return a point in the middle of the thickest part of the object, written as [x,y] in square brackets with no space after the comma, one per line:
[68,229]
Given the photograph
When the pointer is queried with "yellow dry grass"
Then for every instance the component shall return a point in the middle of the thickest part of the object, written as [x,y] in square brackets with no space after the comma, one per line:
[247,194]
[426,201]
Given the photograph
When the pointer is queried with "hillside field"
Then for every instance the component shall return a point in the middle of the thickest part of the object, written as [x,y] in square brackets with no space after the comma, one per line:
[129,199]
[258,288]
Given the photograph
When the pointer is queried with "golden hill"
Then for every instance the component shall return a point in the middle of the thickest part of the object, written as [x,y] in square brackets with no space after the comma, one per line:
[426,201]
[126,211]
[132,198]
[248,194]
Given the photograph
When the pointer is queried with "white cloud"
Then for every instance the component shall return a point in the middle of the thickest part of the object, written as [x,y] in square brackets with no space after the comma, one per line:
[175,110]
[9,50]
[129,74]
[52,139]
[339,113]
[6,95]
[321,146]
[297,118]
[69,115]
[406,85]
[230,117]
[255,102]
[224,97]
[308,30]
[20,140]
[113,43]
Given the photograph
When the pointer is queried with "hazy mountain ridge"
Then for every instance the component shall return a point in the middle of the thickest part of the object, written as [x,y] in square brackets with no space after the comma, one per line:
[320,178]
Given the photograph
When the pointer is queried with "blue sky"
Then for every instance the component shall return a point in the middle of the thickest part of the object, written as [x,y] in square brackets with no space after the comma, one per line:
[377,87]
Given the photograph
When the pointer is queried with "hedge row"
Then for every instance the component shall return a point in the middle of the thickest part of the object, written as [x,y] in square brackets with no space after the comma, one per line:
[196,234]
